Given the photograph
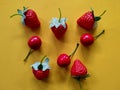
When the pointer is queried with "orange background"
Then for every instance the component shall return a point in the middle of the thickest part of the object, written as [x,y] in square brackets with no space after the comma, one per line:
[102,58]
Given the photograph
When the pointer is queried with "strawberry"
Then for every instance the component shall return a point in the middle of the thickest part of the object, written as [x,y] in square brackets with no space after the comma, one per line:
[87,20]
[58,26]
[41,69]
[78,69]
[29,18]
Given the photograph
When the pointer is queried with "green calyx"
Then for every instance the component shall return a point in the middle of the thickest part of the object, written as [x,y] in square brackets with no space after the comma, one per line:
[97,18]
[81,77]
[20,12]
[40,67]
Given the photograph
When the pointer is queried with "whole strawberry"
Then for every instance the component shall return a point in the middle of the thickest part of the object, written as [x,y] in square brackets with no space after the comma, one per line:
[58,26]
[88,19]
[78,69]
[29,17]
[41,69]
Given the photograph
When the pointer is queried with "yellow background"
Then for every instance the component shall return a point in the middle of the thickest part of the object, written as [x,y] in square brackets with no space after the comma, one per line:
[102,58]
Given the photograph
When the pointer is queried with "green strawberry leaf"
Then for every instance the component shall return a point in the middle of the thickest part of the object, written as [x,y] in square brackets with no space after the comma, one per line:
[40,67]
[97,18]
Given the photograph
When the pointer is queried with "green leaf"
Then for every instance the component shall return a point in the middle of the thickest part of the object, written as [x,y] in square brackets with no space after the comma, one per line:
[97,18]
[40,67]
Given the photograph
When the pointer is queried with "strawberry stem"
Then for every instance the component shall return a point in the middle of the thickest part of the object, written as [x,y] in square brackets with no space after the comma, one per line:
[16,15]
[43,58]
[40,67]
[60,14]
[99,34]
[80,85]
[30,51]
[97,18]
[102,13]
[74,50]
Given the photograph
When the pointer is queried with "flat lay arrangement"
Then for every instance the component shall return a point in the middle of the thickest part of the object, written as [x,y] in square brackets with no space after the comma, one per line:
[60,45]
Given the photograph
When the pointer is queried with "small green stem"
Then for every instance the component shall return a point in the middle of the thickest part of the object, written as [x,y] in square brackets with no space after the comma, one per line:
[16,15]
[43,58]
[40,67]
[30,51]
[60,14]
[99,34]
[80,85]
[74,50]
[102,13]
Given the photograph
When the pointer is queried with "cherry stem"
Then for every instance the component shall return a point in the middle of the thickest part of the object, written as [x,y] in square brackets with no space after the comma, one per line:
[102,13]
[43,58]
[30,51]
[74,50]
[60,14]
[16,15]
[99,34]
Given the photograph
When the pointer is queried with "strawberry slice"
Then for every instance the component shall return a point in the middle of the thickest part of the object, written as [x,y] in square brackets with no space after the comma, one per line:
[41,69]
[87,20]
[58,26]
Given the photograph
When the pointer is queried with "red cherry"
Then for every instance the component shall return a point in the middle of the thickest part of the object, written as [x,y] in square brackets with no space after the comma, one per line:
[87,39]
[64,60]
[34,43]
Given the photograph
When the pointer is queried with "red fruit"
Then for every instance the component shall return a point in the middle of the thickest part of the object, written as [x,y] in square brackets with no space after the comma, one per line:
[64,60]
[88,20]
[78,69]
[39,74]
[41,69]
[87,39]
[34,43]
[59,31]
[29,18]
[58,26]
